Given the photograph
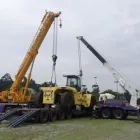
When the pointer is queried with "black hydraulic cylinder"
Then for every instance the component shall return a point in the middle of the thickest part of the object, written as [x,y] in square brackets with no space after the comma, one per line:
[93,50]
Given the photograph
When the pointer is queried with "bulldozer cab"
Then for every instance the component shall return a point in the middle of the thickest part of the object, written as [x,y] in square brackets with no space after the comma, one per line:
[73,81]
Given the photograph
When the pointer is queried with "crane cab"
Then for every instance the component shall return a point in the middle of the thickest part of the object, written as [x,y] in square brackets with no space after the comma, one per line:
[73,81]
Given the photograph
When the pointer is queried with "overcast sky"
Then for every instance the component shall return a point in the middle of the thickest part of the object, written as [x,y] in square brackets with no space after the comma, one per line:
[112,26]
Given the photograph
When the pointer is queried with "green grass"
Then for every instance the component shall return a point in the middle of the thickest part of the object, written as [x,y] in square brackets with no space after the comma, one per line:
[75,129]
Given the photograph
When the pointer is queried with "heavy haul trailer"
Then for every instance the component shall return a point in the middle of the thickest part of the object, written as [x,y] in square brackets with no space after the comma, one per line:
[132,95]
[118,109]
[55,103]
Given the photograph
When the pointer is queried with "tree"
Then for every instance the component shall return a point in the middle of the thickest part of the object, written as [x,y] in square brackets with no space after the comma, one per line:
[5,82]
[116,94]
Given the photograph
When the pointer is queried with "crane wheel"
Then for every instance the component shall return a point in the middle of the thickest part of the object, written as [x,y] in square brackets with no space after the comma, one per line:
[118,114]
[106,113]
[43,116]
[66,100]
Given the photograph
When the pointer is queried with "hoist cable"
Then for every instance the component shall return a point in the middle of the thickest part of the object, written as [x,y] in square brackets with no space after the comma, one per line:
[80,63]
[56,35]
[54,51]
[79,56]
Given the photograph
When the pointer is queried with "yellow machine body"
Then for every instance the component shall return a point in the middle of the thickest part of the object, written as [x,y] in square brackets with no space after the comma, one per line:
[49,94]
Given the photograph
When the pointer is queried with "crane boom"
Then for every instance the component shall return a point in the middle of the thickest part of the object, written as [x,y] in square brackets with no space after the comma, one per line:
[34,47]
[131,95]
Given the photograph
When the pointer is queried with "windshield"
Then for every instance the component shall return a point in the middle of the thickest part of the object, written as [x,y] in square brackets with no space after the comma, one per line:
[71,82]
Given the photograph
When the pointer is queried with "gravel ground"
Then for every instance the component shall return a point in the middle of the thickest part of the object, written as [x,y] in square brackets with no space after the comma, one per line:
[75,129]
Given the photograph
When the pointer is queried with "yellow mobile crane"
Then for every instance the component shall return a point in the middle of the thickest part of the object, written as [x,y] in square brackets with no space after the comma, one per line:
[16,94]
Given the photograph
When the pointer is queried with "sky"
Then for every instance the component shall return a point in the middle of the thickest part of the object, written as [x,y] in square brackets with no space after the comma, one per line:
[111,26]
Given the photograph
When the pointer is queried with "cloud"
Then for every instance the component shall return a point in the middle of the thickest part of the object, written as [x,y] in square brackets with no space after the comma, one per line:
[111,26]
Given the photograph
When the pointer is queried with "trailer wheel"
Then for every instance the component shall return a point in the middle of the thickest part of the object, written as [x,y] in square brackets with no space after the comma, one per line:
[69,114]
[43,116]
[53,116]
[125,116]
[61,115]
[106,113]
[118,114]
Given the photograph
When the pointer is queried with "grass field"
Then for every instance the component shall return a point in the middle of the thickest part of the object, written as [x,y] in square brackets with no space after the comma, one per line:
[75,129]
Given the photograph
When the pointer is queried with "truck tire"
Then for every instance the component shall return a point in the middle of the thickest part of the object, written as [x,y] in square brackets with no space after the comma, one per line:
[125,116]
[69,113]
[43,116]
[66,100]
[118,114]
[61,115]
[106,113]
[53,116]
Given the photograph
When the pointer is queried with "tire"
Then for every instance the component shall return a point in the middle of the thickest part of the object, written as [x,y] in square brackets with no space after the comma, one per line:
[125,116]
[39,99]
[36,119]
[69,114]
[106,113]
[61,115]
[66,100]
[118,114]
[43,116]
[53,116]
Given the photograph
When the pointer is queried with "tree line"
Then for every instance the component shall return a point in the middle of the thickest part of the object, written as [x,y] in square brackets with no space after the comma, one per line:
[6,82]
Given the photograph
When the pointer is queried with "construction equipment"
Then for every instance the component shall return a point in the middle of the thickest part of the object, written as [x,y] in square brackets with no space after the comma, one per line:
[17,94]
[68,99]
[120,109]
[56,103]
[133,96]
